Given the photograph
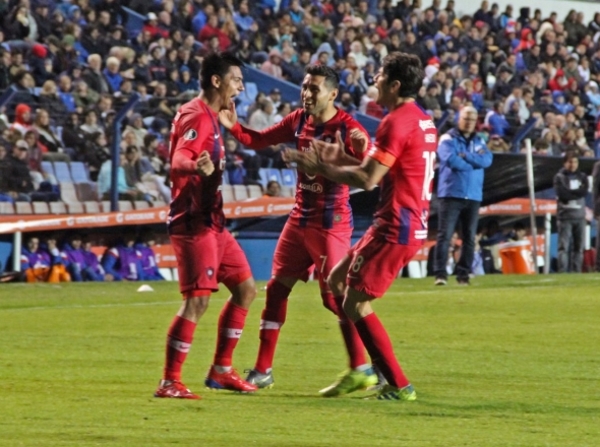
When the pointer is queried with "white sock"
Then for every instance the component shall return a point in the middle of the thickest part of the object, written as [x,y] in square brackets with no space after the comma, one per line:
[222,369]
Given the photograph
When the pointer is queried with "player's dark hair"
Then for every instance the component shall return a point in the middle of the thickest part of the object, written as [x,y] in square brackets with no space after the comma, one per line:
[217,64]
[332,79]
[407,69]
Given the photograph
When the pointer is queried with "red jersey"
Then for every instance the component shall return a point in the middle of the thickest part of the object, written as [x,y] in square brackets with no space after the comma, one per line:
[196,201]
[406,142]
[320,202]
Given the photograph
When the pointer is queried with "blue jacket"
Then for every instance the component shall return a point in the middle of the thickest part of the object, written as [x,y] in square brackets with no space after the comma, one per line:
[462,177]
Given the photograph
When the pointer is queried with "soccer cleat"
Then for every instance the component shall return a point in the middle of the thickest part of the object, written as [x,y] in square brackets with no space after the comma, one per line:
[381,380]
[174,389]
[389,392]
[350,381]
[259,379]
[440,281]
[463,282]
[229,380]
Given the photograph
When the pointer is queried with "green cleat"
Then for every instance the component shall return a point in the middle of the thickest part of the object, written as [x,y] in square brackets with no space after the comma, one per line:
[389,392]
[259,379]
[350,381]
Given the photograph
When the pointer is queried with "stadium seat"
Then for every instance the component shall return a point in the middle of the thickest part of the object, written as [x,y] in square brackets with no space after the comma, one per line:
[75,208]
[86,191]
[91,207]
[125,205]
[79,172]
[250,92]
[254,192]
[141,205]
[288,177]
[274,174]
[226,178]
[263,174]
[68,193]
[227,193]
[40,208]
[105,206]
[23,208]
[288,191]
[58,208]
[7,208]
[62,172]
[240,192]
[159,203]
[48,168]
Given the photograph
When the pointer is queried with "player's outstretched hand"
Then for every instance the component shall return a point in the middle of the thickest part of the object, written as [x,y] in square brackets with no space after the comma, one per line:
[204,165]
[307,162]
[228,117]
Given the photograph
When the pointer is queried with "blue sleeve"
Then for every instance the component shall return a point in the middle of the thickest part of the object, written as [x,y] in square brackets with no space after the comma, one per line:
[108,263]
[480,161]
[447,153]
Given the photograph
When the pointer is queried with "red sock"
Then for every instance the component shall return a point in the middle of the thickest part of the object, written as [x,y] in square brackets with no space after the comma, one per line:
[379,346]
[179,340]
[231,324]
[273,317]
[354,345]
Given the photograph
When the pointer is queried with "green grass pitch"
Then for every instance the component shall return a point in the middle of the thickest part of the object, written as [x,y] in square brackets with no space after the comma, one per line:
[509,361]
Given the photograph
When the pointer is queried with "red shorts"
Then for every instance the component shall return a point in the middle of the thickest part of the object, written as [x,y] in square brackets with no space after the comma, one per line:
[375,263]
[299,249]
[207,258]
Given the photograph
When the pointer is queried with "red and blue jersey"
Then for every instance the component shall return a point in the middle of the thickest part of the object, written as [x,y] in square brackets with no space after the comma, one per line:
[320,202]
[196,201]
[406,142]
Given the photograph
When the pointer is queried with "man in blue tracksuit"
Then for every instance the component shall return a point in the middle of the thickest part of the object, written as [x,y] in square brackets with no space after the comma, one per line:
[462,157]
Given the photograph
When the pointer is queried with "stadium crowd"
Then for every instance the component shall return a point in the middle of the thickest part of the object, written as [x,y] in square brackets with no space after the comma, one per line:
[74,64]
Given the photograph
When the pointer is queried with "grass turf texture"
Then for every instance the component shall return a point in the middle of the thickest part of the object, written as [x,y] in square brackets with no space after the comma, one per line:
[509,361]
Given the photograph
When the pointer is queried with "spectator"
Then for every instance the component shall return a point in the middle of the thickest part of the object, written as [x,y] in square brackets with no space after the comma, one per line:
[111,75]
[273,189]
[90,125]
[272,66]
[125,192]
[571,186]
[94,77]
[136,126]
[262,117]
[85,98]
[22,121]
[51,102]
[463,156]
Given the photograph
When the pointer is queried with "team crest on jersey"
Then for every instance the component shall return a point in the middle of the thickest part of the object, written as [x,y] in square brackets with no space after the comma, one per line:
[210,272]
[190,135]
[337,218]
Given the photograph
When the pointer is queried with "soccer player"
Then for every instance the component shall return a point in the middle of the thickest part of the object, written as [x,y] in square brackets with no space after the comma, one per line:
[319,227]
[402,162]
[206,252]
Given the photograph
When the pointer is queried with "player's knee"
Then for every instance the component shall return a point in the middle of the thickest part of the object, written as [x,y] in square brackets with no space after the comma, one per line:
[355,310]
[195,307]
[329,302]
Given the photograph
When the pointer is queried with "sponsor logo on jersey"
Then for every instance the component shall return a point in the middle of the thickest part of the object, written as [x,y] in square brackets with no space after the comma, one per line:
[313,187]
[190,135]
[426,124]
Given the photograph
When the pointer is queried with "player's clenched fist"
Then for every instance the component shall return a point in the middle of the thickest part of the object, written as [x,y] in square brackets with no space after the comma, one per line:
[204,165]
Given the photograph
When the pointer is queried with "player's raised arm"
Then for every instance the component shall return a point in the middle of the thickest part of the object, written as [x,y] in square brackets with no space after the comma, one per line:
[282,132]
